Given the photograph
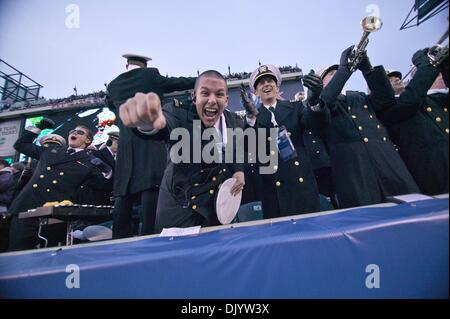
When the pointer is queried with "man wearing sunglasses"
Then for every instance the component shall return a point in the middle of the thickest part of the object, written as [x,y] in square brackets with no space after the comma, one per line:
[58,176]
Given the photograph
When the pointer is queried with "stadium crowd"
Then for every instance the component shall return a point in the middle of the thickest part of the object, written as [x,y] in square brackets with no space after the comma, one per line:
[91,98]
[332,149]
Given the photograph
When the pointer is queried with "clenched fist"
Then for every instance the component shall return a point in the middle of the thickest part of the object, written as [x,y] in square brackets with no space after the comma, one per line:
[143,111]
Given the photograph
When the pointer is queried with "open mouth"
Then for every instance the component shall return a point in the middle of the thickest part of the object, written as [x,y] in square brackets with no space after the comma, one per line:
[73,138]
[267,90]
[210,112]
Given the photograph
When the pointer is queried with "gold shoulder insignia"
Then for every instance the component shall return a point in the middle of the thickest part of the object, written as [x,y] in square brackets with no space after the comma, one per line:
[176,103]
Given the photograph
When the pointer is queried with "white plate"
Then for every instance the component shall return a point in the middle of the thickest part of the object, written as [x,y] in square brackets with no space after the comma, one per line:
[227,205]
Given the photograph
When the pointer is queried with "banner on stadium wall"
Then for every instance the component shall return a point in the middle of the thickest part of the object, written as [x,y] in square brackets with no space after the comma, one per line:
[9,133]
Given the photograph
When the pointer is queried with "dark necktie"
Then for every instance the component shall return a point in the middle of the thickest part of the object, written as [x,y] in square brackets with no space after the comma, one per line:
[272,109]
[70,151]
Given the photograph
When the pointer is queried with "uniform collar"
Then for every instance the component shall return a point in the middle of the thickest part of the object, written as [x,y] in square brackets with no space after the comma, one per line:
[273,105]
[435,91]
[109,149]
[133,67]
[76,149]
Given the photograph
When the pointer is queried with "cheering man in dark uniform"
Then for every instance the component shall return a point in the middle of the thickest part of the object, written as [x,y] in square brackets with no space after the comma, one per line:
[365,165]
[107,153]
[291,187]
[58,175]
[189,186]
[140,161]
[419,126]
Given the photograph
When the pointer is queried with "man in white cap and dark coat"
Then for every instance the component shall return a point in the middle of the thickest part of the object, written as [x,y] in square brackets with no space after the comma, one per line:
[52,140]
[291,187]
[140,161]
[48,140]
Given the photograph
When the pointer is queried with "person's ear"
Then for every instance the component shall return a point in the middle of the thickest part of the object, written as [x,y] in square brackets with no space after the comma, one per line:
[194,98]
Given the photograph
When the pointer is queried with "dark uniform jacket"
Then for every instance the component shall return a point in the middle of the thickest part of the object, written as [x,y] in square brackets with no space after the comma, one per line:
[317,151]
[140,160]
[57,176]
[292,188]
[7,184]
[252,189]
[106,156]
[90,193]
[366,166]
[419,126]
[188,190]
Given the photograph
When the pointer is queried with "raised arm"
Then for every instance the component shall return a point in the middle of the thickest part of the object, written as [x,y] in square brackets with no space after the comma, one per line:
[382,96]
[25,143]
[171,84]
[334,88]
[314,115]
[412,99]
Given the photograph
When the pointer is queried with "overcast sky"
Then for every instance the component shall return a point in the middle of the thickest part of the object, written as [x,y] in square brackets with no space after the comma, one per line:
[61,45]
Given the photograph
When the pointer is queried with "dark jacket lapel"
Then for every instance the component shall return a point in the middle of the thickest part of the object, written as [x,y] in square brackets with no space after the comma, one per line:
[62,157]
[105,155]
[283,110]
[230,119]
[264,117]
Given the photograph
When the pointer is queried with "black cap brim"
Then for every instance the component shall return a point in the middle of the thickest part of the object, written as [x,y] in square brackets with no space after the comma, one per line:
[262,75]
[333,67]
[397,74]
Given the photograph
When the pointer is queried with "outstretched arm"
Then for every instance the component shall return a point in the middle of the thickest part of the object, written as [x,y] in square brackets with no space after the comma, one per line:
[334,88]
[413,98]
[143,111]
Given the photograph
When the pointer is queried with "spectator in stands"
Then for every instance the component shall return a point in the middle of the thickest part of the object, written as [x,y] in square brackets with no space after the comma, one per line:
[419,125]
[140,161]
[9,177]
[188,188]
[17,169]
[365,165]
[52,139]
[395,77]
[108,151]
[318,150]
[6,186]
[291,188]
[58,175]
[88,193]
[3,163]
[7,182]
[48,140]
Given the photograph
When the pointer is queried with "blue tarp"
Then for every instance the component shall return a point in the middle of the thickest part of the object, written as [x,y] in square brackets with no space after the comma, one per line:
[318,257]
